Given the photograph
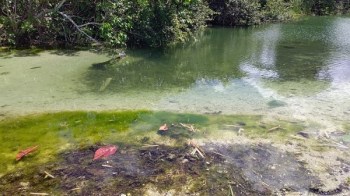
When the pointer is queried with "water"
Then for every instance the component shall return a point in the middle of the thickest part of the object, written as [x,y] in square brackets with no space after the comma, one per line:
[298,70]
[268,82]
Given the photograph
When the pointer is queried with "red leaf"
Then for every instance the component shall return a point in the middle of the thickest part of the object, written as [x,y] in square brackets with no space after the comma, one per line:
[163,128]
[25,152]
[105,151]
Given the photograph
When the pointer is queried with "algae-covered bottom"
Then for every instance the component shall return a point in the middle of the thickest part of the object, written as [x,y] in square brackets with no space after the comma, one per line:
[198,154]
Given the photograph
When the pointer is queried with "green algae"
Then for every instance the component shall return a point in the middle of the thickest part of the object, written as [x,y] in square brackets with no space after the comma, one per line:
[57,132]
[54,132]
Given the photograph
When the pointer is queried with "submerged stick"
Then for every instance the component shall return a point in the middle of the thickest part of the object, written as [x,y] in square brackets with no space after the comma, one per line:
[48,175]
[189,127]
[218,153]
[149,146]
[199,152]
[236,126]
[105,84]
[38,193]
[275,128]
[339,145]
[109,166]
[231,191]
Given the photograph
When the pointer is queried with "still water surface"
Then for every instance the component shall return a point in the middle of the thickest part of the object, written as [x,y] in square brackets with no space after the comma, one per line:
[298,70]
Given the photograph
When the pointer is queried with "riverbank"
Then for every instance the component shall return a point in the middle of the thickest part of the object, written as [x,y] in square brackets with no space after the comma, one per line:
[242,154]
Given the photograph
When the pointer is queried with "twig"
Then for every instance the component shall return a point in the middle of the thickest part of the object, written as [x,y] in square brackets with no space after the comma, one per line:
[199,152]
[219,154]
[38,193]
[149,146]
[57,7]
[231,191]
[89,23]
[75,189]
[338,144]
[237,126]
[275,128]
[297,137]
[109,166]
[189,127]
[48,175]
[193,144]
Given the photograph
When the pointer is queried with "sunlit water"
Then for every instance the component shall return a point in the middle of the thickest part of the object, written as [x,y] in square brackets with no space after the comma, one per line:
[296,71]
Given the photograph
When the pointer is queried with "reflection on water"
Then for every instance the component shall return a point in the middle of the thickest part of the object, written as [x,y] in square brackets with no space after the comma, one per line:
[304,65]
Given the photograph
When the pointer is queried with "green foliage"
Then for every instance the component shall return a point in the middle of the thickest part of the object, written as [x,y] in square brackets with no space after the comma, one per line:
[325,7]
[153,23]
[236,12]
[251,12]
[278,10]
[162,23]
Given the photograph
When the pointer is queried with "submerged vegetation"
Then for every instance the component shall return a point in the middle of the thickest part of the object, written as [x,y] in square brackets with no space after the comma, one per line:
[149,161]
[147,23]
[55,132]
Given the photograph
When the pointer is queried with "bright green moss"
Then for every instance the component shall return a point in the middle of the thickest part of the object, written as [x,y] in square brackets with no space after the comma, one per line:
[58,131]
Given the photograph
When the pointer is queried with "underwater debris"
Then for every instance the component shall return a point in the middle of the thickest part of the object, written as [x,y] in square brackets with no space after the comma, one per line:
[234,169]
[105,151]
[25,152]
[105,84]
[38,193]
[189,127]
[197,149]
[47,174]
[163,128]
[276,128]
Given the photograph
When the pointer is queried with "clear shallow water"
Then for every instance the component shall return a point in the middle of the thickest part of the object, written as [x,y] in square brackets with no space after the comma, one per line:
[298,71]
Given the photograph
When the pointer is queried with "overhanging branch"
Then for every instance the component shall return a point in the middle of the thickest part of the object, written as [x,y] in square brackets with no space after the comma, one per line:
[78,27]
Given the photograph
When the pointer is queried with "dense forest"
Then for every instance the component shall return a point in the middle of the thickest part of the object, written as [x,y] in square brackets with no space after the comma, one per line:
[145,23]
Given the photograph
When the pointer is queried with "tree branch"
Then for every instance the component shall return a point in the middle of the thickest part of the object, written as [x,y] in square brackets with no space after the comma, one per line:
[89,23]
[77,27]
[56,8]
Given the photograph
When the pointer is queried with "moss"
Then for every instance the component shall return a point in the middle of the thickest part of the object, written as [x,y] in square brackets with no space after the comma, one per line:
[56,132]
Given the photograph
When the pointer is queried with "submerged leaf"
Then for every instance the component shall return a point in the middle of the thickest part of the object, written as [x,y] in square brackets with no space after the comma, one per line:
[105,151]
[25,152]
[163,128]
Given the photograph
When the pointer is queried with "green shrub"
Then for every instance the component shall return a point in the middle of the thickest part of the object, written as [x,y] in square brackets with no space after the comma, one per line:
[114,23]
[236,12]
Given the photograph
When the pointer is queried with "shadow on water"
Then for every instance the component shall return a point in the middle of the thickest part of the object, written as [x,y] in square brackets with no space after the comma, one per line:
[9,53]
[210,58]
[292,52]
[65,52]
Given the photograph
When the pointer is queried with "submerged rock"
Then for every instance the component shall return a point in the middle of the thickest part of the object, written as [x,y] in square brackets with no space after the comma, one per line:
[276,103]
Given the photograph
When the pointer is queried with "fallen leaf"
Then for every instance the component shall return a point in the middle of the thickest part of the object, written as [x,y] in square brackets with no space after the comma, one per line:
[163,128]
[105,151]
[25,152]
